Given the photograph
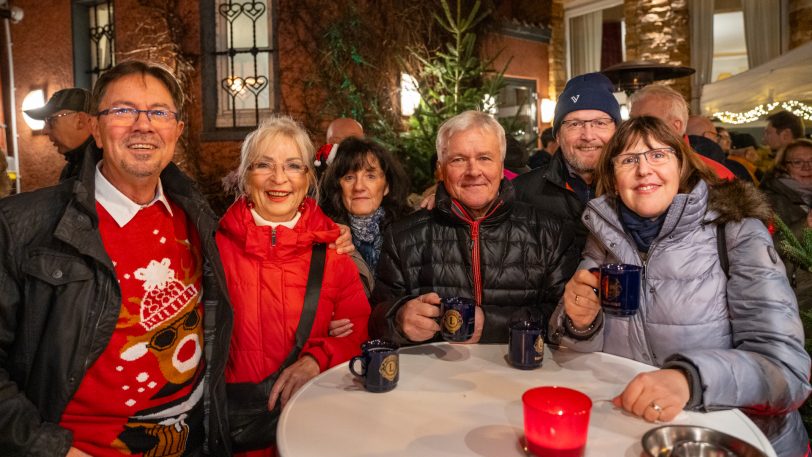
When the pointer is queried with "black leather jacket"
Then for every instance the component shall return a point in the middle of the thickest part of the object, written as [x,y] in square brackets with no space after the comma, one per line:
[525,259]
[59,303]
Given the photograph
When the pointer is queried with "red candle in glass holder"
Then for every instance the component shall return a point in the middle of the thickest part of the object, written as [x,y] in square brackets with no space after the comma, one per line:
[556,421]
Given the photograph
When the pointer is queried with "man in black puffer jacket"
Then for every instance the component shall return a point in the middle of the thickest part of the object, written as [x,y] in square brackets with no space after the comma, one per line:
[477,242]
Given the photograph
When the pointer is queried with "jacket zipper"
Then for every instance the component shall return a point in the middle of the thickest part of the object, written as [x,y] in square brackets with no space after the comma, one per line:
[475,264]
[644,280]
[273,236]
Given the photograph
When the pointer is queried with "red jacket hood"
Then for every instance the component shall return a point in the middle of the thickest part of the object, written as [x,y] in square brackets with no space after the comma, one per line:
[313,227]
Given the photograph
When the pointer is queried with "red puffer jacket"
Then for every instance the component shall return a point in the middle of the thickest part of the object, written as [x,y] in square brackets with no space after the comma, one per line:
[266,271]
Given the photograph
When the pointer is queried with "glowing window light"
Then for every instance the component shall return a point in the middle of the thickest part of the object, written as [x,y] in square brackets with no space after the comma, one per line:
[489,105]
[409,95]
[624,112]
[547,110]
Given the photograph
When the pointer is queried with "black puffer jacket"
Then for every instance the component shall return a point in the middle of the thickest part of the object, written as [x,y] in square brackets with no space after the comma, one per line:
[788,205]
[545,189]
[60,301]
[513,259]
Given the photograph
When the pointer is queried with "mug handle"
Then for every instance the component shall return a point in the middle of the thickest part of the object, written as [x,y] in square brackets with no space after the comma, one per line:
[597,273]
[363,372]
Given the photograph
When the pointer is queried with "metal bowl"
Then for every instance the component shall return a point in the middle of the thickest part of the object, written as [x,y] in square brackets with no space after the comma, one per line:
[691,441]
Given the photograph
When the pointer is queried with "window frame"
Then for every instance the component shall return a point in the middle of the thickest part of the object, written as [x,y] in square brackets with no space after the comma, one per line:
[210,84]
[531,85]
[83,71]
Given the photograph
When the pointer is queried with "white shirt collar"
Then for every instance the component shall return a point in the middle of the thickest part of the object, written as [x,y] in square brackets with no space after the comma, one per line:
[262,222]
[118,205]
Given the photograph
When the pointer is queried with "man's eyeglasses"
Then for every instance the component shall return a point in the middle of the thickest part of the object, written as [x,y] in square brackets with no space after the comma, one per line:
[290,168]
[597,124]
[128,116]
[799,163]
[653,157]
[715,137]
[52,118]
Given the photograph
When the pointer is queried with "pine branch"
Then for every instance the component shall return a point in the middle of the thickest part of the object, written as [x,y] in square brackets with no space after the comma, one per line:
[797,251]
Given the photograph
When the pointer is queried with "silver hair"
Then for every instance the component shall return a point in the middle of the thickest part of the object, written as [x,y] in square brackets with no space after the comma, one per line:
[678,107]
[268,130]
[466,121]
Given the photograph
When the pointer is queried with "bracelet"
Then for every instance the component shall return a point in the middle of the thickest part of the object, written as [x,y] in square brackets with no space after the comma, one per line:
[581,333]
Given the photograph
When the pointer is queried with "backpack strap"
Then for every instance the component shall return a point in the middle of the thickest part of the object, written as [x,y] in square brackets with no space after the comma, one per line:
[721,247]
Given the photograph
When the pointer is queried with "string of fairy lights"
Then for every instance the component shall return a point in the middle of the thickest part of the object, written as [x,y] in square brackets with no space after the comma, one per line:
[797,108]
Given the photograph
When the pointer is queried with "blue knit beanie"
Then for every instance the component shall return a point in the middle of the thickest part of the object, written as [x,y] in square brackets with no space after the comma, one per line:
[589,91]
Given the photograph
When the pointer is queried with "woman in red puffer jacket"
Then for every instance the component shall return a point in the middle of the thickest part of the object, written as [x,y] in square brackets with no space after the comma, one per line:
[266,240]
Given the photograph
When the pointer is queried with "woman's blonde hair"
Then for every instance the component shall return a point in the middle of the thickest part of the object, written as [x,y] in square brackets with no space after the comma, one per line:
[269,130]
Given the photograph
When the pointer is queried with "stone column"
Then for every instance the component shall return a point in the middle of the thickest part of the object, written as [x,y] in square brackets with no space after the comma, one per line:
[558,58]
[658,31]
[800,22]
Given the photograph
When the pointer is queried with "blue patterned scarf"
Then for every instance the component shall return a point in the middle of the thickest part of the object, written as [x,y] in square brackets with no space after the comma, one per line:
[367,237]
[642,229]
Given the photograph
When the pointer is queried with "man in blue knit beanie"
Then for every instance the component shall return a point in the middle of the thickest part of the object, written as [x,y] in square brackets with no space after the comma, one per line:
[586,117]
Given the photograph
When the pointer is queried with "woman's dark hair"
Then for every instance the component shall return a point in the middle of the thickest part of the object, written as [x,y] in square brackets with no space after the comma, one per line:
[646,129]
[353,155]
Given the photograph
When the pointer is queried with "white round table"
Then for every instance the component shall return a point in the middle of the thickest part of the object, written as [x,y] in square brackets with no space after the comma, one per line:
[455,399]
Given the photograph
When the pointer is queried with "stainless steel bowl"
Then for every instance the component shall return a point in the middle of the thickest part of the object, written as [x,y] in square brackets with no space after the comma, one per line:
[691,441]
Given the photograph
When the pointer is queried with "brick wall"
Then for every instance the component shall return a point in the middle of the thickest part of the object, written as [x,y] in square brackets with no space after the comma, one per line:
[42,60]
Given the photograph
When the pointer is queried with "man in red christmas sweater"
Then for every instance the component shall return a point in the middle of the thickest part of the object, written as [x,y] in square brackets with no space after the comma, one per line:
[113,323]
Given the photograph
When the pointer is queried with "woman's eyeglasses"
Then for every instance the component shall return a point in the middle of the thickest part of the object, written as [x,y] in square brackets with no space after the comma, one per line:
[799,163]
[290,168]
[653,157]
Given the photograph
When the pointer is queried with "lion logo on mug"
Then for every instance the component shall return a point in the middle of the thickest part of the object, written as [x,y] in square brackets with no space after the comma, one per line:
[452,321]
[539,347]
[389,367]
[613,289]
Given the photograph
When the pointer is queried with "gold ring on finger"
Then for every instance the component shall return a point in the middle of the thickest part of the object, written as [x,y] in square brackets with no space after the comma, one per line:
[576,298]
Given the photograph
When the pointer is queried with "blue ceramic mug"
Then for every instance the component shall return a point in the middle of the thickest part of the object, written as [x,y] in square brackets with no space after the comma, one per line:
[526,344]
[620,289]
[379,365]
[457,318]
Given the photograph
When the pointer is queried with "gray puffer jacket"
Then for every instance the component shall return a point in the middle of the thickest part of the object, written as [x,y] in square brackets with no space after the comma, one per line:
[741,335]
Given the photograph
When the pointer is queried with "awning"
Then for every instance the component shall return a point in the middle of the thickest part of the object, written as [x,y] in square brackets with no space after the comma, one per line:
[787,77]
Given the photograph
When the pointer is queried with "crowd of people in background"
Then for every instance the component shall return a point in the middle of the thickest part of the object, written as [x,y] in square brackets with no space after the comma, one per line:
[133,320]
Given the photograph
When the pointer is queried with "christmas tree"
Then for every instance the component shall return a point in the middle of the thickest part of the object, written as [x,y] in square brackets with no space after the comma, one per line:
[799,251]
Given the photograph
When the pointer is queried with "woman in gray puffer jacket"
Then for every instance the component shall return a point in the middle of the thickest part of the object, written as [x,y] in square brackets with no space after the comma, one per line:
[722,339]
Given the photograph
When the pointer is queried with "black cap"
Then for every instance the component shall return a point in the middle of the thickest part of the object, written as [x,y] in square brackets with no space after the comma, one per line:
[742,140]
[516,156]
[74,99]
[707,147]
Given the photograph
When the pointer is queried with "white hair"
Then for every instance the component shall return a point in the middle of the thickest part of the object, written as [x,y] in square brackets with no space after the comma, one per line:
[268,130]
[677,106]
[466,121]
